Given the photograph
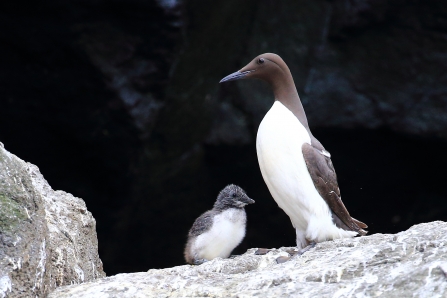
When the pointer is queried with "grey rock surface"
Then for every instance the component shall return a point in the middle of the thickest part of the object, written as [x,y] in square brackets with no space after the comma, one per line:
[412,263]
[47,238]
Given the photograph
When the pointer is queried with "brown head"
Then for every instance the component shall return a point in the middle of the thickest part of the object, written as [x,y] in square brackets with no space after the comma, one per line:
[273,70]
[267,67]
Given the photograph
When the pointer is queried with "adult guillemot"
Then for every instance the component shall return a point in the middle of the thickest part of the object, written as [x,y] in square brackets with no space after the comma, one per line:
[295,166]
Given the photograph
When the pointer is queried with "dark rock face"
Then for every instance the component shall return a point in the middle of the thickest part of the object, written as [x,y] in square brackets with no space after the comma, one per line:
[358,63]
[118,103]
[47,238]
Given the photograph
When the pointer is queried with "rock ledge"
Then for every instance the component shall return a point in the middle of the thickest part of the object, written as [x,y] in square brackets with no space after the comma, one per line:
[412,263]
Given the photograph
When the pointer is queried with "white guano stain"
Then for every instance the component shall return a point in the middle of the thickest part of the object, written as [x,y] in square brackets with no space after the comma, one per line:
[40,270]
[5,286]
[79,272]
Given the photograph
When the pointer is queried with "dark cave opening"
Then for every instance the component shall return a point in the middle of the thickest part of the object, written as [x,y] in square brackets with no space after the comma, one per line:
[390,181]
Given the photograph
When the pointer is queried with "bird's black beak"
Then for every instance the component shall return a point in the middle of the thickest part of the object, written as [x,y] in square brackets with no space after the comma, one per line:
[235,76]
[249,201]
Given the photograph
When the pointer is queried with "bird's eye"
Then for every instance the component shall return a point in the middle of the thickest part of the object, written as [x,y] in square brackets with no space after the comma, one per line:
[234,195]
[260,60]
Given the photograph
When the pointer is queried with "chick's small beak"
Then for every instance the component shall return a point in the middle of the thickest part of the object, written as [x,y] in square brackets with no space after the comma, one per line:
[236,76]
[250,201]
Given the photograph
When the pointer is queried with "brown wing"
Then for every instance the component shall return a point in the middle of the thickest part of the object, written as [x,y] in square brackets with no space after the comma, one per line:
[323,175]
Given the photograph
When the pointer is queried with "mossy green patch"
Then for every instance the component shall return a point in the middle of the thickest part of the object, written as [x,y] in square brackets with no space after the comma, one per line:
[11,214]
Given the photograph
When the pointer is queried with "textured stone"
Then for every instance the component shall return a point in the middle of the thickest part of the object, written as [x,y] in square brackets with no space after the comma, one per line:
[47,237]
[412,263]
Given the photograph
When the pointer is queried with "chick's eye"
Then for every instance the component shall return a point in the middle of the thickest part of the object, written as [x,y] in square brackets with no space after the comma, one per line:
[234,195]
[260,60]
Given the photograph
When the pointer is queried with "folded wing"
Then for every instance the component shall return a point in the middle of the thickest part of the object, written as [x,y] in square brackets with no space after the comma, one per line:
[323,175]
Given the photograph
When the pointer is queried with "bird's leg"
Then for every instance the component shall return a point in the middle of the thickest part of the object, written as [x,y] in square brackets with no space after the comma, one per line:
[294,253]
[303,250]
[199,261]
[262,251]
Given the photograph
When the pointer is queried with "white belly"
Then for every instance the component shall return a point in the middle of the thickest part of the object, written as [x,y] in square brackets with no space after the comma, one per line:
[226,233]
[279,147]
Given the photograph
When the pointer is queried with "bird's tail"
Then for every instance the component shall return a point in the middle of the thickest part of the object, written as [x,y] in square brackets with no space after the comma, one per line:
[362,226]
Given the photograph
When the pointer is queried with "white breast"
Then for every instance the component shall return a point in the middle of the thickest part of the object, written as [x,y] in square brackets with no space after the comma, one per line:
[226,233]
[279,147]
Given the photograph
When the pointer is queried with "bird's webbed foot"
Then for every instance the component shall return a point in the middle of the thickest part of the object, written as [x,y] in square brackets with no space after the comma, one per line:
[293,253]
[199,261]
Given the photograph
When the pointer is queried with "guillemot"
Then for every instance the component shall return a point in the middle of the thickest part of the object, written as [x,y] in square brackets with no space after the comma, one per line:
[295,166]
[218,231]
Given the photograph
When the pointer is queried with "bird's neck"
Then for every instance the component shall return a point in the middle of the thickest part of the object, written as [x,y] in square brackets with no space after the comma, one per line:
[285,92]
[224,205]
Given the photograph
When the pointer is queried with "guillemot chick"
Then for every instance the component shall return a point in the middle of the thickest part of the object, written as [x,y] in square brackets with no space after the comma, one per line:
[295,166]
[218,231]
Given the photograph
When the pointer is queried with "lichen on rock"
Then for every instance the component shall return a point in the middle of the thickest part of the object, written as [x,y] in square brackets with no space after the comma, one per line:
[47,237]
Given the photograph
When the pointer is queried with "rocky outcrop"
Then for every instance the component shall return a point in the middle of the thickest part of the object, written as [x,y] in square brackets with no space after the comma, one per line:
[408,264]
[47,238]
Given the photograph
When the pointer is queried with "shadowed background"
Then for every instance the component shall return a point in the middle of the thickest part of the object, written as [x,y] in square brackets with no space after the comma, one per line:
[118,102]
